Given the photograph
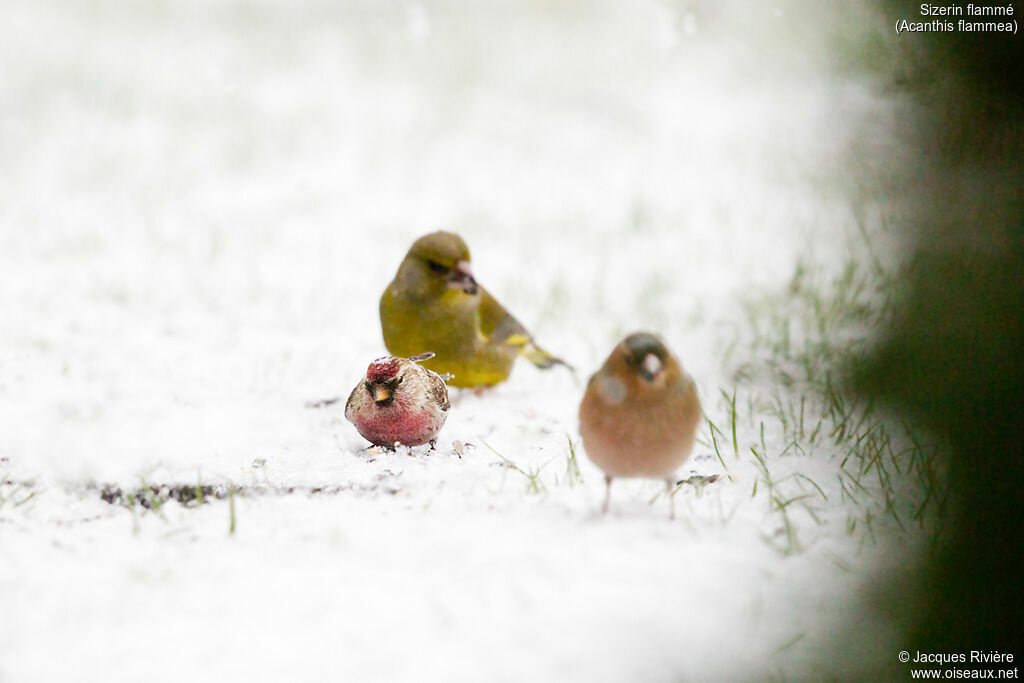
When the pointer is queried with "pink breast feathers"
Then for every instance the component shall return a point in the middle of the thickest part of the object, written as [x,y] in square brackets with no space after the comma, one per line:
[388,425]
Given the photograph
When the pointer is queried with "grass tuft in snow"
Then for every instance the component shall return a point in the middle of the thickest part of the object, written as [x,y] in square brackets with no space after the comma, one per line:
[534,484]
[572,474]
[712,429]
[14,494]
[803,339]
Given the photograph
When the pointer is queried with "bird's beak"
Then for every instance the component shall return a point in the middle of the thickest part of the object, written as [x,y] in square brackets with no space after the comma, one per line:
[462,278]
[650,367]
[381,395]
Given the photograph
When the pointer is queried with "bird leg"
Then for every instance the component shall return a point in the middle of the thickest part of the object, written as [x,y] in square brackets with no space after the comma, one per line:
[671,499]
[607,493]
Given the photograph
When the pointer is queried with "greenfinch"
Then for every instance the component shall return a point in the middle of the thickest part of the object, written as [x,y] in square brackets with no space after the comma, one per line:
[435,304]
[398,402]
[639,414]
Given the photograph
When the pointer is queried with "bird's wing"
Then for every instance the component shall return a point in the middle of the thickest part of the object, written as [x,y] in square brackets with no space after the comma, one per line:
[350,403]
[438,391]
[497,325]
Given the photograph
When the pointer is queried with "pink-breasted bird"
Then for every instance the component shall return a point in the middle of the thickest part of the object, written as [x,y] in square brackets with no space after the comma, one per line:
[398,402]
[640,413]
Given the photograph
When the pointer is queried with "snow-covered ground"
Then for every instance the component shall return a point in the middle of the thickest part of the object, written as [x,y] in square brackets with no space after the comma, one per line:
[200,205]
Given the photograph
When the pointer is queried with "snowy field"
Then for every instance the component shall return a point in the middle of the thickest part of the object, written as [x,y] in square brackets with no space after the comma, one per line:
[201,203]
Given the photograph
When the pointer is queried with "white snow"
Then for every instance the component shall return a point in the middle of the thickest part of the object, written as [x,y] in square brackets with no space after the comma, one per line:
[201,203]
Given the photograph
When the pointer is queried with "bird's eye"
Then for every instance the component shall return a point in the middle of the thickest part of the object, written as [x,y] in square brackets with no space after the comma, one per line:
[437,267]
[369,386]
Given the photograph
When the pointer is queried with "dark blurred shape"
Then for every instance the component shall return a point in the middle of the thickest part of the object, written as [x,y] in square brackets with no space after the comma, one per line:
[952,358]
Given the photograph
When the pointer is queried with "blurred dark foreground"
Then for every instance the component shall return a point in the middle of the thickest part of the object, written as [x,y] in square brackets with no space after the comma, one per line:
[952,357]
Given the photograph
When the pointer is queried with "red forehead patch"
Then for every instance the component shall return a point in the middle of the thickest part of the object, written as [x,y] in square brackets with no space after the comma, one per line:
[382,369]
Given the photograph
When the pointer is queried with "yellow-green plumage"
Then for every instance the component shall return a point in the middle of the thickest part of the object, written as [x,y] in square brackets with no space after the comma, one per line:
[434,304]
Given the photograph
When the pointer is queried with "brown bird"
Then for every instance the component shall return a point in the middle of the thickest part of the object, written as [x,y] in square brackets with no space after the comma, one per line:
[398,402]
[434,302]
[640,413]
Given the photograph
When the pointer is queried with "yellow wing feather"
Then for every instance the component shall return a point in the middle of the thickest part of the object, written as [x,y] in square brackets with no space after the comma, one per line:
[499,327]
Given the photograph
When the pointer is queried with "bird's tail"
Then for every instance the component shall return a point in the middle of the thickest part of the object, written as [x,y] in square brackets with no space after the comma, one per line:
[542,359]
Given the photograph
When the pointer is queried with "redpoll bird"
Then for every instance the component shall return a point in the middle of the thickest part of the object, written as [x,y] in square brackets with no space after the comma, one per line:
[398,402]
[640,413]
